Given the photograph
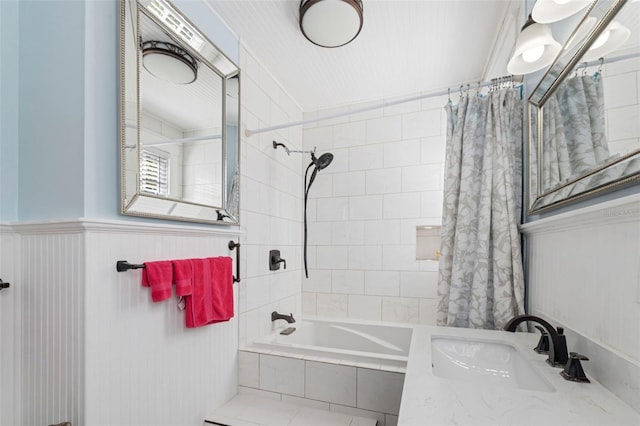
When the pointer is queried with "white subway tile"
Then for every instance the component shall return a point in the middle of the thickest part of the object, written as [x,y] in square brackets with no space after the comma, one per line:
[322,186]
[348,184]
[333,305]
[402,205]
[305,402]
[349,134]
[347,282]
[332,257]
[382,232]
[366,157]
[365,257]
[383,181]
[402,153]
[320,137]
[352,232]
[321,232]
[378,417]
[421,124]
[248,369]
[318,281]
[309,304]
[428,310]
[365,307]
[383,283]
[332,209]
[623,123]
[340,163]
[399,258]
[368,207]
[330,383]
[401,108]
[390,420]
[419,284]
[620,90]
[283,375]
[431,206]
[400,309]
[380,390]
[426,177]
[384,129]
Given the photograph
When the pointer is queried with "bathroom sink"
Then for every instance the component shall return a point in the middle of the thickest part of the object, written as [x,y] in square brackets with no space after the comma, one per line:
[484,362]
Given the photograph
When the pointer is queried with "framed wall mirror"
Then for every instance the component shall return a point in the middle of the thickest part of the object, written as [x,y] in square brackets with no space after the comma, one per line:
[179,118]
[584,129]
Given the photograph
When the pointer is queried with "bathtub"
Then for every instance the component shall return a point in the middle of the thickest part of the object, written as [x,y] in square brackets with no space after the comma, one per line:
[382,346]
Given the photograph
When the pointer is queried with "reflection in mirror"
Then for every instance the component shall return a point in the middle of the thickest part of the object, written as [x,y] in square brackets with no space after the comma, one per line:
[584,119]
[180,119]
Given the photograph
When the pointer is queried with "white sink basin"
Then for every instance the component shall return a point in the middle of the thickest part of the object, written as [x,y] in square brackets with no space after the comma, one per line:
[484,362]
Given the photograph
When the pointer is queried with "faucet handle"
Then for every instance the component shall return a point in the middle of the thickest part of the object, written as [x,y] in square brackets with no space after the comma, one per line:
[543,344]
[573,368]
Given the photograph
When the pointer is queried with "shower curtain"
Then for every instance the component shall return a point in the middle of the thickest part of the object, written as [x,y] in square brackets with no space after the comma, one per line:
[480,282]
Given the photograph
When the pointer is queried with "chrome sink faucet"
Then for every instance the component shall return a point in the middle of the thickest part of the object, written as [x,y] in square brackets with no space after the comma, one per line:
[558,356]
[288,318]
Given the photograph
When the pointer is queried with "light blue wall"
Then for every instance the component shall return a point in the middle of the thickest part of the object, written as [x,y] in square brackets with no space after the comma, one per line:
[8,110]
[59,152]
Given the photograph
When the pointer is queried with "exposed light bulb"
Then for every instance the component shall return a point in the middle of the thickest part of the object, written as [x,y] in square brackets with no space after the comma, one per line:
[601,40]
[533,54]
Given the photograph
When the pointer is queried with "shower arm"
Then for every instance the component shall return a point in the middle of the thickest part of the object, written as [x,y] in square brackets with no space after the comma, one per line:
[289,151]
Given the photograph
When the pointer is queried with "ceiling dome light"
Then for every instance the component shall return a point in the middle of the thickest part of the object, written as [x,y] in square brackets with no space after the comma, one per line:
[535,49]
[547,11]
[609,40]
[331,23]
[169,62]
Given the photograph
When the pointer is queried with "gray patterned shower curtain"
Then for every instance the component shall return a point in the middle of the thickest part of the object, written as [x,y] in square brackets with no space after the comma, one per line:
[481,279]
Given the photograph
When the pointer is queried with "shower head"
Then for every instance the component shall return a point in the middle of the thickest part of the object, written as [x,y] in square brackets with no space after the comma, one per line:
[322,162]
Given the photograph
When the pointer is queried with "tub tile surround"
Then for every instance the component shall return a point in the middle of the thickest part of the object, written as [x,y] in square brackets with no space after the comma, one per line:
[271,202]
[431,400]
[386,179]
[322,383]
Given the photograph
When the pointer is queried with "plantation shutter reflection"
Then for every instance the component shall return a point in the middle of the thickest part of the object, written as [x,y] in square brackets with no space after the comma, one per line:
[154,174]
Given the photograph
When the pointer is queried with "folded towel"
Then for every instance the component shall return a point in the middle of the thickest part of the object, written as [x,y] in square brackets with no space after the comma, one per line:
[183,276]
[212,298]
[222,274]
[158,276]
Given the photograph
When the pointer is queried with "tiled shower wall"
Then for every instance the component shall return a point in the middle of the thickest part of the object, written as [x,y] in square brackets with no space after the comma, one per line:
[271,203]
[386,178]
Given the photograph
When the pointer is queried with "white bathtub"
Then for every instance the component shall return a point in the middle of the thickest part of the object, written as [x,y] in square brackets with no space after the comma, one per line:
[383,345]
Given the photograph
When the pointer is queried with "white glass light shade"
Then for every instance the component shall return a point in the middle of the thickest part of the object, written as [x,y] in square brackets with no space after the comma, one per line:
[527,56]
[331,23]
[169,63]
[583,31]
[609,40]
[547,11]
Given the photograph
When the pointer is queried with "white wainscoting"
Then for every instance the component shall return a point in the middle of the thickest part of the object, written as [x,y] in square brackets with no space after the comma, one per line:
[584,274]
[95,349]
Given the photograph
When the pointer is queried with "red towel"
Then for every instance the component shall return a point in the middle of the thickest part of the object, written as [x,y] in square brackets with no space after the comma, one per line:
[183,276]
[158,276]
[212,297]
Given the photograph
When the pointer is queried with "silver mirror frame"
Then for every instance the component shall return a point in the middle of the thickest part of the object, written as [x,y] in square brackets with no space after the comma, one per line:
[188,211]
[540,200]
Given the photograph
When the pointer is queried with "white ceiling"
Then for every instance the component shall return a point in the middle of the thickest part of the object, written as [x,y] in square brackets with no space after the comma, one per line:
[405,47]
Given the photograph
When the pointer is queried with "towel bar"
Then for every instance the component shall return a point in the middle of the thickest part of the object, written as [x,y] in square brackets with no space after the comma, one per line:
[123,265]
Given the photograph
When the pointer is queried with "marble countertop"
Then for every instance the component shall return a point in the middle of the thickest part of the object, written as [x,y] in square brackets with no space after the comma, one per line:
[431,400]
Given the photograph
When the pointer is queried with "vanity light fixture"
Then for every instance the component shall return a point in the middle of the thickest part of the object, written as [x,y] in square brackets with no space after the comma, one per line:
[535,48]
[608,41]
[169,62]
[547,11]
[174,21]
[331,23]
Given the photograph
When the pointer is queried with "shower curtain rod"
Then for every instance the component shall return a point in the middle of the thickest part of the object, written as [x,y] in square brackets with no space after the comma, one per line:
[498,80]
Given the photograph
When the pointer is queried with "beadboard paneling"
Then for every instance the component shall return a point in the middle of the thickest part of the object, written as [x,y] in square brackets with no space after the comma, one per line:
[584,274]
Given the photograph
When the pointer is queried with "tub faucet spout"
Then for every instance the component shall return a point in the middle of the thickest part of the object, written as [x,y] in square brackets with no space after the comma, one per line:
[558,356]
[288,318]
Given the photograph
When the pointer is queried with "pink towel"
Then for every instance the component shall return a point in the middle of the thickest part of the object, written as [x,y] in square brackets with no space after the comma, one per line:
[158,276]
[212,297]
[183,276]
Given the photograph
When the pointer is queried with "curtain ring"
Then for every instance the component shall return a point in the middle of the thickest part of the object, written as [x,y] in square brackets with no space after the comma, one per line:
[461,86]
[449,94]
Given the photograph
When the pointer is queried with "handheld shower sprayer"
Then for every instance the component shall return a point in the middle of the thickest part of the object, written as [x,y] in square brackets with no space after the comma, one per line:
[318,163]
